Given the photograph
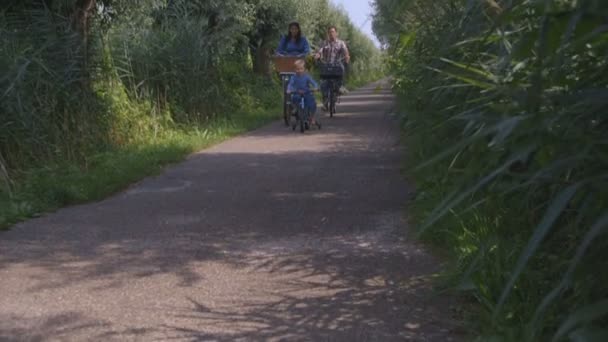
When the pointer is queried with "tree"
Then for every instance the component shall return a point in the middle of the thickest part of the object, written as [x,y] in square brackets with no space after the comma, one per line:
[269,19]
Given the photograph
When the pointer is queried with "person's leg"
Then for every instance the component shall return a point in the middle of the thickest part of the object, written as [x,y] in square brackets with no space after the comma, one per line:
[311,104]
[295,102]
[324,89]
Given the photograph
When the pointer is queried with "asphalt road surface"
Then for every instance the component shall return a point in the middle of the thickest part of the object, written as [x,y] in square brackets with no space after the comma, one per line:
[270,236]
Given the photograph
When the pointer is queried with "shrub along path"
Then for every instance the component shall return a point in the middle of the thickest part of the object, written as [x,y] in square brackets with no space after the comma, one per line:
[274,235]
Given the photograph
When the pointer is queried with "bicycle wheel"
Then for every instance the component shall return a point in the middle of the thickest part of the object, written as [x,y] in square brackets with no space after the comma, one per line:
[286,114]
[302,126]
[330,99]
[296,120]
[332,106]
[334,98]
[286,111]
[299,119]
[307,120]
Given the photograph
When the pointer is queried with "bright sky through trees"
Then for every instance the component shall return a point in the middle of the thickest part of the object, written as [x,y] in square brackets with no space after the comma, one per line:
[360,12]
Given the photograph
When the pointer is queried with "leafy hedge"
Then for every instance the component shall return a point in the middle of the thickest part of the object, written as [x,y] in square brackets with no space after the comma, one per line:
[504,108]
[87,77]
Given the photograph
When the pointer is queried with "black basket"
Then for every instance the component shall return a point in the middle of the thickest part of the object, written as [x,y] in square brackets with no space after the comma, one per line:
[331,70]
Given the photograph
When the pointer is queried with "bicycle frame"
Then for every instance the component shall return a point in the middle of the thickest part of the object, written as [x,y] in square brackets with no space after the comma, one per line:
[302,115]
[332,94]
[285,77]
[332,89]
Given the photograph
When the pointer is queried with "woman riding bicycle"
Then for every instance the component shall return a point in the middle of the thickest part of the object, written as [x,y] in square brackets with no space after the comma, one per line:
[332,50]
[291,47]
[293,44]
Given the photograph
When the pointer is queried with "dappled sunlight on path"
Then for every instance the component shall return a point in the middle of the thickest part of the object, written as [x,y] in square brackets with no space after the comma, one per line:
[271,236]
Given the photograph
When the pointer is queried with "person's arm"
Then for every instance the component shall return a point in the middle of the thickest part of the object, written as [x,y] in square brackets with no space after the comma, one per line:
[312,82]
[346,53]
[280,50]
[320,51]
[305,46]
[291,85]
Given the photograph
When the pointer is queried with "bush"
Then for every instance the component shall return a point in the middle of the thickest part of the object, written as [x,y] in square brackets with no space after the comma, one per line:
[504,120]
[80,79]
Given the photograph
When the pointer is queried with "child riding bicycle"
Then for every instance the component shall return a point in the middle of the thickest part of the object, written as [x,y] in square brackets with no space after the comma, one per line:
[300,86]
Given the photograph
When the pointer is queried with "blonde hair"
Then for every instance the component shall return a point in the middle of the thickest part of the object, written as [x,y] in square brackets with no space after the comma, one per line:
[300,63]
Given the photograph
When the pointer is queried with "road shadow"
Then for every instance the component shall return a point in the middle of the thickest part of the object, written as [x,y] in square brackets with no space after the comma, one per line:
[203,210]
[346,294]
[272,236]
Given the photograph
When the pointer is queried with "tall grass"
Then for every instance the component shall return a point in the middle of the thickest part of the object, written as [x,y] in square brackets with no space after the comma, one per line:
[505,114]
[72,132]
[43,100]
[146,82]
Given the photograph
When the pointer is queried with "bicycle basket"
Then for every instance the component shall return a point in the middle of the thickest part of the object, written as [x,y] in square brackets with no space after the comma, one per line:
[331,70]
[284,63]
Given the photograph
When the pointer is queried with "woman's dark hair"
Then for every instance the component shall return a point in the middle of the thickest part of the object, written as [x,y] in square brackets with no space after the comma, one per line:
[288,36]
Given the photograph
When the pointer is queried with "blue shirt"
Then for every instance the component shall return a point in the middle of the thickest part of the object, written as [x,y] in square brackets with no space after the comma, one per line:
[301,83]
[288,47]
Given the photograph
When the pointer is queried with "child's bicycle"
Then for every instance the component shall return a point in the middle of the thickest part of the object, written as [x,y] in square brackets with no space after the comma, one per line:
[284,66]
[302,115]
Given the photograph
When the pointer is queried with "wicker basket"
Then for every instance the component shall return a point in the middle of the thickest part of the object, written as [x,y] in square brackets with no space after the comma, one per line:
[331,70]
[284,63]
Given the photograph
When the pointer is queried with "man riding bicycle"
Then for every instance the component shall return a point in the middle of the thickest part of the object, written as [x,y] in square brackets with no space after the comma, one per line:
[332,50]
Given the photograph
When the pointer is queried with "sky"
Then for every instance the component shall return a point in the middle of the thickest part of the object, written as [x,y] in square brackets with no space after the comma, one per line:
[360,12]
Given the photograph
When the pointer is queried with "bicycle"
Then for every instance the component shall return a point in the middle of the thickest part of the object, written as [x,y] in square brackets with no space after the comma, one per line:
[284,66]
[333,90]
[303,116]
[331,74]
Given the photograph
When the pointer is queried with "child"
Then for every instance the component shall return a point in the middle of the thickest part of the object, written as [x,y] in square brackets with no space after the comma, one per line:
[300,85]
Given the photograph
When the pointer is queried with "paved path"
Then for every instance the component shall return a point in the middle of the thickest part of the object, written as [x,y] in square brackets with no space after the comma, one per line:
[271,236]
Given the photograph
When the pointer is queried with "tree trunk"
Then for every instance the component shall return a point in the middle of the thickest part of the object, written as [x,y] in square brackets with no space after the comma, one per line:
[80,17]
[261,60]
[83,10]
[5,176]
[492,8]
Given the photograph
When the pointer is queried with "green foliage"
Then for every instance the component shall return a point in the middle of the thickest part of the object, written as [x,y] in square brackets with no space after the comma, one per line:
[79,81]
[505,104]
[61,183]
[44,97]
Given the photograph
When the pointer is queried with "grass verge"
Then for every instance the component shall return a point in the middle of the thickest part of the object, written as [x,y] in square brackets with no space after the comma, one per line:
[42,190]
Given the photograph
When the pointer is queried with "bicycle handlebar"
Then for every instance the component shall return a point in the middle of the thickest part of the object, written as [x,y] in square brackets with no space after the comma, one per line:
[290,56]
[341,60]
[306,92]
